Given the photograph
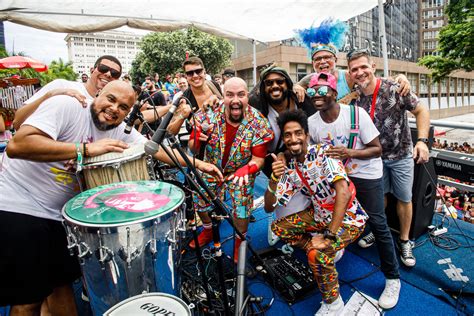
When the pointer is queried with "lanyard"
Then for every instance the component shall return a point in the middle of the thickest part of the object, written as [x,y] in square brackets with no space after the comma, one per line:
[374,99]
[326,206]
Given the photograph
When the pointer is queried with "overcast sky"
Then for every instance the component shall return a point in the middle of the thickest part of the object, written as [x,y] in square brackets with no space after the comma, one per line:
[41,45]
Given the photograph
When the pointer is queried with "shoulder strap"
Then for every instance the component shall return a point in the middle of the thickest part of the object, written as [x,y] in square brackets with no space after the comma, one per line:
[354,127]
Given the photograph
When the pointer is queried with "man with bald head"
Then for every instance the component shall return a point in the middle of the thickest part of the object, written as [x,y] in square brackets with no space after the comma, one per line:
[237,140]
[34,262]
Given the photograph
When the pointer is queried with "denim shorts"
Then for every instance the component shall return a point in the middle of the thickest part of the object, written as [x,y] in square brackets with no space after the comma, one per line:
[398,178]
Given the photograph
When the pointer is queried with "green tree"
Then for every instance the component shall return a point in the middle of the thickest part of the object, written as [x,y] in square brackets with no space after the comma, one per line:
[456,41]
[57,69]
[164,53]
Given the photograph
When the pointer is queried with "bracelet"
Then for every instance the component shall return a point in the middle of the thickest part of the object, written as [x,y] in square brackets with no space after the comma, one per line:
[79,157]
[86,150]
[274,178]
[271,190]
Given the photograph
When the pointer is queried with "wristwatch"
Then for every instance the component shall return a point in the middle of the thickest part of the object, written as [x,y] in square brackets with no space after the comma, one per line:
[424,140]
[329,235]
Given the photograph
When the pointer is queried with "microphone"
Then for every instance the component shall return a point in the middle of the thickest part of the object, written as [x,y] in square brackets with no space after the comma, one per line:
[204,128]
[152,146]
[132,117]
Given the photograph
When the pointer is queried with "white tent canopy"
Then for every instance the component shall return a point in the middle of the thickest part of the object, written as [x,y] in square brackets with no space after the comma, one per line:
[265,20]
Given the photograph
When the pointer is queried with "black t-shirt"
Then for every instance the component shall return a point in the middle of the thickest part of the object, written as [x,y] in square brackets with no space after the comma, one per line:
[154,98]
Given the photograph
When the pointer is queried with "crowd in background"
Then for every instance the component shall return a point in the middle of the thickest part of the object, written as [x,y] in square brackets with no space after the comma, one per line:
[454,146]
[455,203]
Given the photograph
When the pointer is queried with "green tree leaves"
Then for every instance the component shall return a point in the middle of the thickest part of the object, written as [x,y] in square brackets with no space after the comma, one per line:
[456,41]
[164,53]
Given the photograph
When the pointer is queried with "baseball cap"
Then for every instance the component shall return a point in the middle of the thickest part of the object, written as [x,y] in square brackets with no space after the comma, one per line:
[229,72]
[323,79]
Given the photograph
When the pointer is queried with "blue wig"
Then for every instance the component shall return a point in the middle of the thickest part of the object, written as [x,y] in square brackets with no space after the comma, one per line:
[328,36]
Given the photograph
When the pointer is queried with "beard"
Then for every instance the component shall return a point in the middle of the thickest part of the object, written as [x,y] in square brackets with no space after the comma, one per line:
[241,116]
[273,101]
[295,153]
[100,126]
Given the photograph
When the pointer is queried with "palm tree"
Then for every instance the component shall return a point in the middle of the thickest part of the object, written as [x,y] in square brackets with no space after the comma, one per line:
[58,69]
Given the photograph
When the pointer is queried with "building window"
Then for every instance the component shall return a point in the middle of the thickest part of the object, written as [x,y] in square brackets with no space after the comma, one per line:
[301,71]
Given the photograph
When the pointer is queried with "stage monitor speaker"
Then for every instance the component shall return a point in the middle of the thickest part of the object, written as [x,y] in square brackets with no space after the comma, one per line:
[423,199]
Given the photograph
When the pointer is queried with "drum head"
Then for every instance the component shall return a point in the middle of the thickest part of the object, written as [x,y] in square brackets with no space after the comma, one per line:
[124,202]
[150,304]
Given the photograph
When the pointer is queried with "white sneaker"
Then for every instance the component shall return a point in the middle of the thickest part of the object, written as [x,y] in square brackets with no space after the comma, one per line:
[389,297]
[333,309]
[366,241]
[339,255]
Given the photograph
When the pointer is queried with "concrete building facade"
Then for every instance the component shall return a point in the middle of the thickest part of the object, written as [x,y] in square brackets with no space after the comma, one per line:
[85,48]
[432,19]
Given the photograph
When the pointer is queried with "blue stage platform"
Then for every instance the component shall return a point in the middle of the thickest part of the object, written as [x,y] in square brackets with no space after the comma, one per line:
[439,284]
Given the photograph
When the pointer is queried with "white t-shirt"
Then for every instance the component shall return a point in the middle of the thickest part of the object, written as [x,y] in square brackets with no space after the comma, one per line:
[42,188]
[62,84]
[297,203]
[339,131]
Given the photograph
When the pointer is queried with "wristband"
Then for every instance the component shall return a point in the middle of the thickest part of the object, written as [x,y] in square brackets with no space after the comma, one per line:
[86,150]
[329,235]
[246,170]
[195,134]
[79,157]
[271,190]
[274,178]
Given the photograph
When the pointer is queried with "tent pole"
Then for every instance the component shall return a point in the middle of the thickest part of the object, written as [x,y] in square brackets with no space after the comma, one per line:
[254,42]
[383,38]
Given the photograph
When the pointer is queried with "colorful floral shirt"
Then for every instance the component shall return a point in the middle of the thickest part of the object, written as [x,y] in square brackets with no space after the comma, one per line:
[320,173]
[254,130]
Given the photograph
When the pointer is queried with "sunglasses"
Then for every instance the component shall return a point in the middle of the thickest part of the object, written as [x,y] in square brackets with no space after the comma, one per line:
[357,52]
[191,73]
[322,91]
[105,69]
[270,82]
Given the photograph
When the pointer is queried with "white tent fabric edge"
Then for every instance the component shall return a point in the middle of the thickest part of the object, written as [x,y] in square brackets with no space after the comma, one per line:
[262,21]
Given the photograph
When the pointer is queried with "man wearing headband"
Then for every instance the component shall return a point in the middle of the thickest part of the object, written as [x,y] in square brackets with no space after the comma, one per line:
[332,125]
[274,97]
[323,42]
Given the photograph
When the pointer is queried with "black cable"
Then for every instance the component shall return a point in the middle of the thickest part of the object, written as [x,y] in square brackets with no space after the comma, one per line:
[444,202]
[363,295]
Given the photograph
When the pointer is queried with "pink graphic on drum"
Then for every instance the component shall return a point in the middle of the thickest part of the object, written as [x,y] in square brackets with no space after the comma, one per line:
[137,202]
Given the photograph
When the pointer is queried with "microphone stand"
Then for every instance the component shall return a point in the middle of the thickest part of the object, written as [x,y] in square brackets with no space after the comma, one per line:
[220,210]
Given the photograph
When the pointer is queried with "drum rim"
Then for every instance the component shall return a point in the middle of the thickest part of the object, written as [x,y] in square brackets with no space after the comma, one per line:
[131,299]
[134,222]
[108,163]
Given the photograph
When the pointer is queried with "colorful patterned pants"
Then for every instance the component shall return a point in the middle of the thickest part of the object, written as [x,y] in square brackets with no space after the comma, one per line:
[296,230]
